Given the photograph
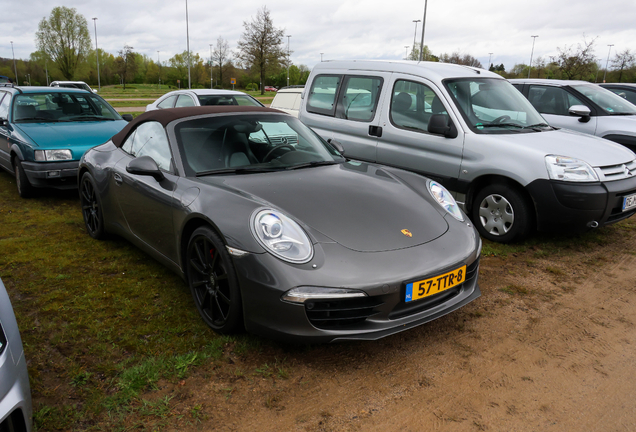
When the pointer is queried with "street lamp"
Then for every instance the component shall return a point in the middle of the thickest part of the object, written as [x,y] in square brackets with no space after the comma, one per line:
[159,63]
[188,43]
[288,36]
[534,38]
[211,79]
[489,57]
[99,84]
[415,33]
[423,30]
[15,69]
[599,65]
[321,56]
[406,54]
[46,69]
[608,54]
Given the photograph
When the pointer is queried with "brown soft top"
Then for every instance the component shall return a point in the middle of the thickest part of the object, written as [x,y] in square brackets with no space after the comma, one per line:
[165,116]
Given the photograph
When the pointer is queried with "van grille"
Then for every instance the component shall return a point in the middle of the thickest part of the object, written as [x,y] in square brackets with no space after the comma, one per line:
[618,172]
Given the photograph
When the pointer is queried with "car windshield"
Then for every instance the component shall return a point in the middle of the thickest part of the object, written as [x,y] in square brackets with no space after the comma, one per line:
[228,100]
[248,143]
[611,103]
[493,106]
[61,107]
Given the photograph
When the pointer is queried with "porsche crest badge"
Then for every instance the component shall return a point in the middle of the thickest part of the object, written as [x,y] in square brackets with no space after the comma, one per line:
[407,233]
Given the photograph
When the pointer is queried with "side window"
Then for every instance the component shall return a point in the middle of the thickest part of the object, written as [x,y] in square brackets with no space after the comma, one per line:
[167,103]
[630,95]
[184,101]
[4,105]
[322,95]
[127,146]
[150,140]
[551,100]
[413,104]
[360,98]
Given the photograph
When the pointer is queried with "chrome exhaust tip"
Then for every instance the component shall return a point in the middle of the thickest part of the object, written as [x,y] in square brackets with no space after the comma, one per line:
[592,224]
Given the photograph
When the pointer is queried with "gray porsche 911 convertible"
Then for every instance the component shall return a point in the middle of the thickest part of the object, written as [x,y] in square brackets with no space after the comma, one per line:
[275,231]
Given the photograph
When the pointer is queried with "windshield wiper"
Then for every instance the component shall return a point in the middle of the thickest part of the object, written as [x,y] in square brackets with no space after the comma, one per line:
[489,125]
[237,171]
[91,118]
[312,164]
[36,119]
[622,113]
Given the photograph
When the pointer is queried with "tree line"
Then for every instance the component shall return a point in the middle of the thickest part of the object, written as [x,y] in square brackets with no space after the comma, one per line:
[64,52]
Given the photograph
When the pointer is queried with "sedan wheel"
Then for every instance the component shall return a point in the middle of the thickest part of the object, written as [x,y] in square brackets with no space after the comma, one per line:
[91,208]
[501,214]
[25,189]
[213,282]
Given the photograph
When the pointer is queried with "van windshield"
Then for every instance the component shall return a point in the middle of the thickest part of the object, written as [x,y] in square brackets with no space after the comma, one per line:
[493,106]
[611,103]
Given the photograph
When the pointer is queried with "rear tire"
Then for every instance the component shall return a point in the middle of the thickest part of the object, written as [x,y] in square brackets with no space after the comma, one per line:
[92,209]
[25,189]
[502,214]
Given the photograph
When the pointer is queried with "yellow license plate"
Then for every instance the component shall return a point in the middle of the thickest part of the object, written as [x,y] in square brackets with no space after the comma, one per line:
[428,287]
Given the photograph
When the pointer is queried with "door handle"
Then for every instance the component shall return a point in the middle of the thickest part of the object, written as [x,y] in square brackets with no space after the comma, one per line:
[375,131]
[118,179]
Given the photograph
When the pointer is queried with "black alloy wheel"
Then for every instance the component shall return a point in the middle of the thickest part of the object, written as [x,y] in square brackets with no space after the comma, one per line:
[213,282]
[502,214]
[25,189]
[91,208]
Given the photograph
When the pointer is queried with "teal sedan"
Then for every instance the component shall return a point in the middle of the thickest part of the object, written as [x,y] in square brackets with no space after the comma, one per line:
[44,131]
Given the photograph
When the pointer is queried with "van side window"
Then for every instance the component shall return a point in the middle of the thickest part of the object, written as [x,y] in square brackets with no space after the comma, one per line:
[322,95]
[551,100]
[413,104]
[359,98]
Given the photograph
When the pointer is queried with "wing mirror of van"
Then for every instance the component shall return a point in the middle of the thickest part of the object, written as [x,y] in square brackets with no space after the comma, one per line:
[440,124]
[336,145]
[580,111]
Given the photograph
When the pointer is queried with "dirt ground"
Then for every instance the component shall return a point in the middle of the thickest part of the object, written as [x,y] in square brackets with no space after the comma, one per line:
[550,346]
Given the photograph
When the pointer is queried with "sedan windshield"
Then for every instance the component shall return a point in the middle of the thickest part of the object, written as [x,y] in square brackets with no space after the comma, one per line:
[493,106]
[608,101]
[249,143]
[228,100]
[61,107]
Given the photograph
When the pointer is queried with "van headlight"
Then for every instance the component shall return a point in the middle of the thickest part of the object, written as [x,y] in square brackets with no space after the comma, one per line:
[445,199]
[281,236]
[566,168]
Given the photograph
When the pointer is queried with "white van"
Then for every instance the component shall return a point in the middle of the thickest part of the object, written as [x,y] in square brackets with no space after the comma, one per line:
[287,99]
[471,130]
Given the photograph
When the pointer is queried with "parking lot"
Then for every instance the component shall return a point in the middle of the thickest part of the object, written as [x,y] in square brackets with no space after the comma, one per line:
[550,345]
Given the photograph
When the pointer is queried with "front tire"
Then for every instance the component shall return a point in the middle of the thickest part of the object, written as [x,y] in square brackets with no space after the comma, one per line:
[25,188]
[91,208]
[213,282]
[502,214]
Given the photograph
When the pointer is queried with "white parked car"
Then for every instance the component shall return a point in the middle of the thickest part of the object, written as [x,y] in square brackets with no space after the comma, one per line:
[583,107]
[73,84]
[202,97]
[288,99]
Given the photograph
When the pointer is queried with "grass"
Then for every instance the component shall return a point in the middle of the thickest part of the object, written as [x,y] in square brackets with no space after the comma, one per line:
[101,322]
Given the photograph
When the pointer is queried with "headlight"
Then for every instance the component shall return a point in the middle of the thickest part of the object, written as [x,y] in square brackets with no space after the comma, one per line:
[302,294]
[282,236]
[53,155]
[445,199]
[569,169]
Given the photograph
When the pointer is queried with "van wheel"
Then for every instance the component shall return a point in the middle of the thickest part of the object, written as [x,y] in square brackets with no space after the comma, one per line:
[502,214]
[25,189]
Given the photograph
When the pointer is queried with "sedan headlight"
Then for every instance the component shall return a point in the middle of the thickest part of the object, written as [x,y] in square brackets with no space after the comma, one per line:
[53,155]
[282,236]
[445,199]
[569,169]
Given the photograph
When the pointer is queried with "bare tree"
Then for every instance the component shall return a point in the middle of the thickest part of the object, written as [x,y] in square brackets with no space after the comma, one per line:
[457,58]
[624,60]
[64,38]
[221,55]
[126,64]
[579,63]
[260,45]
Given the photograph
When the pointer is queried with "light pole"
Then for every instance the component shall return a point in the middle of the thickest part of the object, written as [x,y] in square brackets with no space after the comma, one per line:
[188,43]
[406,54]
[15,69]
[211,79]
[423,30]
[415,33]
[599,65]
[99,84]
[288,36]
[534,38]
[46,70]
[321,56]
[489,58]
[159,63]
[608,54]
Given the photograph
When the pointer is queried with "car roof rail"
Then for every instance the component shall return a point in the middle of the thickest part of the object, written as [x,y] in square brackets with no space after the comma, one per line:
[12,85]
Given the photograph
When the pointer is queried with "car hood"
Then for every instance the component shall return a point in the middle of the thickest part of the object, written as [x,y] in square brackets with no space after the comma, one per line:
[77,136]
[596,151]
[360,206]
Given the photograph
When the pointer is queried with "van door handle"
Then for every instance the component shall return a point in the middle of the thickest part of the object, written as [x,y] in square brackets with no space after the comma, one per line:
[118,179]
[375,131]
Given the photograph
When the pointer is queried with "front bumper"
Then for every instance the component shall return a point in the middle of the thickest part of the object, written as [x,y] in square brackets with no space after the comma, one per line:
[578,206]
[58,175]
[382,275]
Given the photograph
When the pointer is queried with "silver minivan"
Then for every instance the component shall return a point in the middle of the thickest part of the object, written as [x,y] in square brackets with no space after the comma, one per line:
[471,130]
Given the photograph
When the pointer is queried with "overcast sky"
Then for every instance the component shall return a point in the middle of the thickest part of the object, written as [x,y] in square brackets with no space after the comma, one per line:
[342,29]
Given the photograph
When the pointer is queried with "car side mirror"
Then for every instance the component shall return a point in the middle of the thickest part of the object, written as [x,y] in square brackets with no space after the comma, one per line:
[580,111]
[336,145]
[4,121]
[441,124]
[127,117]
[145,165]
